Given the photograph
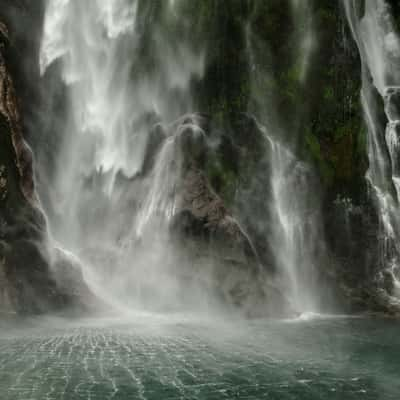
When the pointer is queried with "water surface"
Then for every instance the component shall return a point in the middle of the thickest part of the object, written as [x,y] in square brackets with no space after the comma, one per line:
[179,357]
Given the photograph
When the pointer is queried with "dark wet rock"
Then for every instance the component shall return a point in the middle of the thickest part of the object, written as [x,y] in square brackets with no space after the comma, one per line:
[353,243]
[193,142]
[67,272]
[205,227]
[155,139]
[392,99]
[203,214]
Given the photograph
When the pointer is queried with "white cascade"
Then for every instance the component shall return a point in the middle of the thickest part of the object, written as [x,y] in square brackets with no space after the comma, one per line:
[379,47]
[97,44]
[115,95]
[295,235]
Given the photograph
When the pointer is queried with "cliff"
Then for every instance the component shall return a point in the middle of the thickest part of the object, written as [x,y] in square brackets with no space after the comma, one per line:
[273,74]
[34,275]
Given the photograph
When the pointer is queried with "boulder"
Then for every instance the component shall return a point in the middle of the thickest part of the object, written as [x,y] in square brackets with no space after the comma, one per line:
[218,249]
[392,103]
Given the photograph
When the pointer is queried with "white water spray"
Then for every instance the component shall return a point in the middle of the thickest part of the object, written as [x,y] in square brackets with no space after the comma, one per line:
[296,233]
[115,95]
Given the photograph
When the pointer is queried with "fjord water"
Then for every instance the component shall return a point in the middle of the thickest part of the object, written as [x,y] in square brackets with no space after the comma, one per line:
[185,357]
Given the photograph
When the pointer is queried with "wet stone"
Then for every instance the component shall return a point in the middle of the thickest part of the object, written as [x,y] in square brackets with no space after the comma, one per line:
[392,100]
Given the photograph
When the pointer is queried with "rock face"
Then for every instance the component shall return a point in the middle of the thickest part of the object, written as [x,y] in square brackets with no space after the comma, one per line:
[328,129]
[212,239]
[30,269]
[205,227]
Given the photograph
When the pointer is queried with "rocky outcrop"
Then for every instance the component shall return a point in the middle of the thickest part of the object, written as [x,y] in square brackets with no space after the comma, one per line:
[214,243]
[214,237]
[33,275]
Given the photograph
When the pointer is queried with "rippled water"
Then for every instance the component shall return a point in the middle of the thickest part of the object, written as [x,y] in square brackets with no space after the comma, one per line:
[178,357]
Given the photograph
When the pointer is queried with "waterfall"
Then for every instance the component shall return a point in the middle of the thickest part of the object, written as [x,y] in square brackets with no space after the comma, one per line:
[304,28]
[127,65]
[110,108]
[295,233]
[89,38]
[379,47]
[160,199]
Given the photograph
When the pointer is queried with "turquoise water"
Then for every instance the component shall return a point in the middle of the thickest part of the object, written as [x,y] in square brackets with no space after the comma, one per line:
[180,357]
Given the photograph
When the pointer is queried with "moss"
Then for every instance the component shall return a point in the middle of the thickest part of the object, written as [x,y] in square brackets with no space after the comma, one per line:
[329,93]
[327,127]
[314,154]
[222,179]
[322,114]
[314,149]
[335,140]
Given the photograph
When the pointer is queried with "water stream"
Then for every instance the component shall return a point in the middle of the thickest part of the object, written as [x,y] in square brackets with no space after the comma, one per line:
[122,77]
[295,234]
[379,47]
[113,99]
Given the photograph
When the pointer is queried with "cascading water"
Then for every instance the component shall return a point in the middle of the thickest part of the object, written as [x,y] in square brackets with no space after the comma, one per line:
[379,47]
[295,234]
[113,102]
[112,205]
[160,199]
[303,21]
